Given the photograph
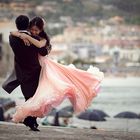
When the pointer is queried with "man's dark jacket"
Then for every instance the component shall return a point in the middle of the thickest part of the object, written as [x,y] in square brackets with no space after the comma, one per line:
[26,65]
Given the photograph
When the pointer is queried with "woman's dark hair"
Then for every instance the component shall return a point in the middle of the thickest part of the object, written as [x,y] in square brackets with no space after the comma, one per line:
[38,21]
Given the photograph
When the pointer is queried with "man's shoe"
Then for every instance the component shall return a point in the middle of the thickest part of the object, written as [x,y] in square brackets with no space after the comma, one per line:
[33,128]
[26,123]
[36,124]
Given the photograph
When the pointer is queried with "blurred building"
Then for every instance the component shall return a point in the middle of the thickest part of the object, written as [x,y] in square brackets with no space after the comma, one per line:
[11,9]
[86,50]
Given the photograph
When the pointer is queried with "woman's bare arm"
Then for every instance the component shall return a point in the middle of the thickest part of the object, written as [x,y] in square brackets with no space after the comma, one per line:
[35,42]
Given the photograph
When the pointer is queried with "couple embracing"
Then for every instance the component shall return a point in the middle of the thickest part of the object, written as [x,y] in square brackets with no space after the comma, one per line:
[44,82]
[27,43]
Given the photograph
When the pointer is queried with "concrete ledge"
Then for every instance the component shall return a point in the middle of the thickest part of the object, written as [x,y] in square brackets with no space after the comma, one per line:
[11,131]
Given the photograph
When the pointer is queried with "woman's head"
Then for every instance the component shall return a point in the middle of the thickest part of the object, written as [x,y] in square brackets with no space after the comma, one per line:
[37,29]
[36,26]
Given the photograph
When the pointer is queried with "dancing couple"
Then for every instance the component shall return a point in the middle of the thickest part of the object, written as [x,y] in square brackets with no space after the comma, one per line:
[44,82]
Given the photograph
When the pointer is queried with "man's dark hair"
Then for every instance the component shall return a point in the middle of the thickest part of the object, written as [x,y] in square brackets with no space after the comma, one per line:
[22,22]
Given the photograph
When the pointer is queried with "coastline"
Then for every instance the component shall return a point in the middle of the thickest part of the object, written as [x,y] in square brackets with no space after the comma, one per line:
[121,81]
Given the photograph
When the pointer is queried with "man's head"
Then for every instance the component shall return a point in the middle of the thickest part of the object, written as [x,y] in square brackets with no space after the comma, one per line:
[22,22]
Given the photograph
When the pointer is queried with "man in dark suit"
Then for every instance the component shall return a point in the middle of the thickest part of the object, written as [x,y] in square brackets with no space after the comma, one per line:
[27,67]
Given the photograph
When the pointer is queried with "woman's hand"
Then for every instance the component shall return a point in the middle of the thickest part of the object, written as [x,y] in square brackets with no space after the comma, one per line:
[26,42]
[24,37]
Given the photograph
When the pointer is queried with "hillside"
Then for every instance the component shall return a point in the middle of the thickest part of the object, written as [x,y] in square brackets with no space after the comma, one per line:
[87,10]
[82,10]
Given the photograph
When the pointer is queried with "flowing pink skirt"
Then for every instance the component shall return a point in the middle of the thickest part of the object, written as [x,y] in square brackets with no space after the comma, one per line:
[56,83]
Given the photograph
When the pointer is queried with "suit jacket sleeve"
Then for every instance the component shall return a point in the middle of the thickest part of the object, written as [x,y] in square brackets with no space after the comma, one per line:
[11,82]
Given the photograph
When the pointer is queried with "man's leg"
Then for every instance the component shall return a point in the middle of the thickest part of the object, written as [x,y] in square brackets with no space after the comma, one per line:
[28,91]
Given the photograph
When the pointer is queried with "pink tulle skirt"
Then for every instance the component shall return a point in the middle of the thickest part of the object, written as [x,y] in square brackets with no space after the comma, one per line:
[56,83]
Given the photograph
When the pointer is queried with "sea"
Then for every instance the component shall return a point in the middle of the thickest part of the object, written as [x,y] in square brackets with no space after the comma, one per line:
[117,94]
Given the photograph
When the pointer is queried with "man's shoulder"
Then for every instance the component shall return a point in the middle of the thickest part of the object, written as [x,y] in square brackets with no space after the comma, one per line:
[14,40]
[11,37]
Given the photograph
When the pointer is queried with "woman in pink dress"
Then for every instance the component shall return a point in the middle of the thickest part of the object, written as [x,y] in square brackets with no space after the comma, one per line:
[57,82]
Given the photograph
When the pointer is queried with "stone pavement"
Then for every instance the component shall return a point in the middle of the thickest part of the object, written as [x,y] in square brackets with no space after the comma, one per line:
[10,131]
